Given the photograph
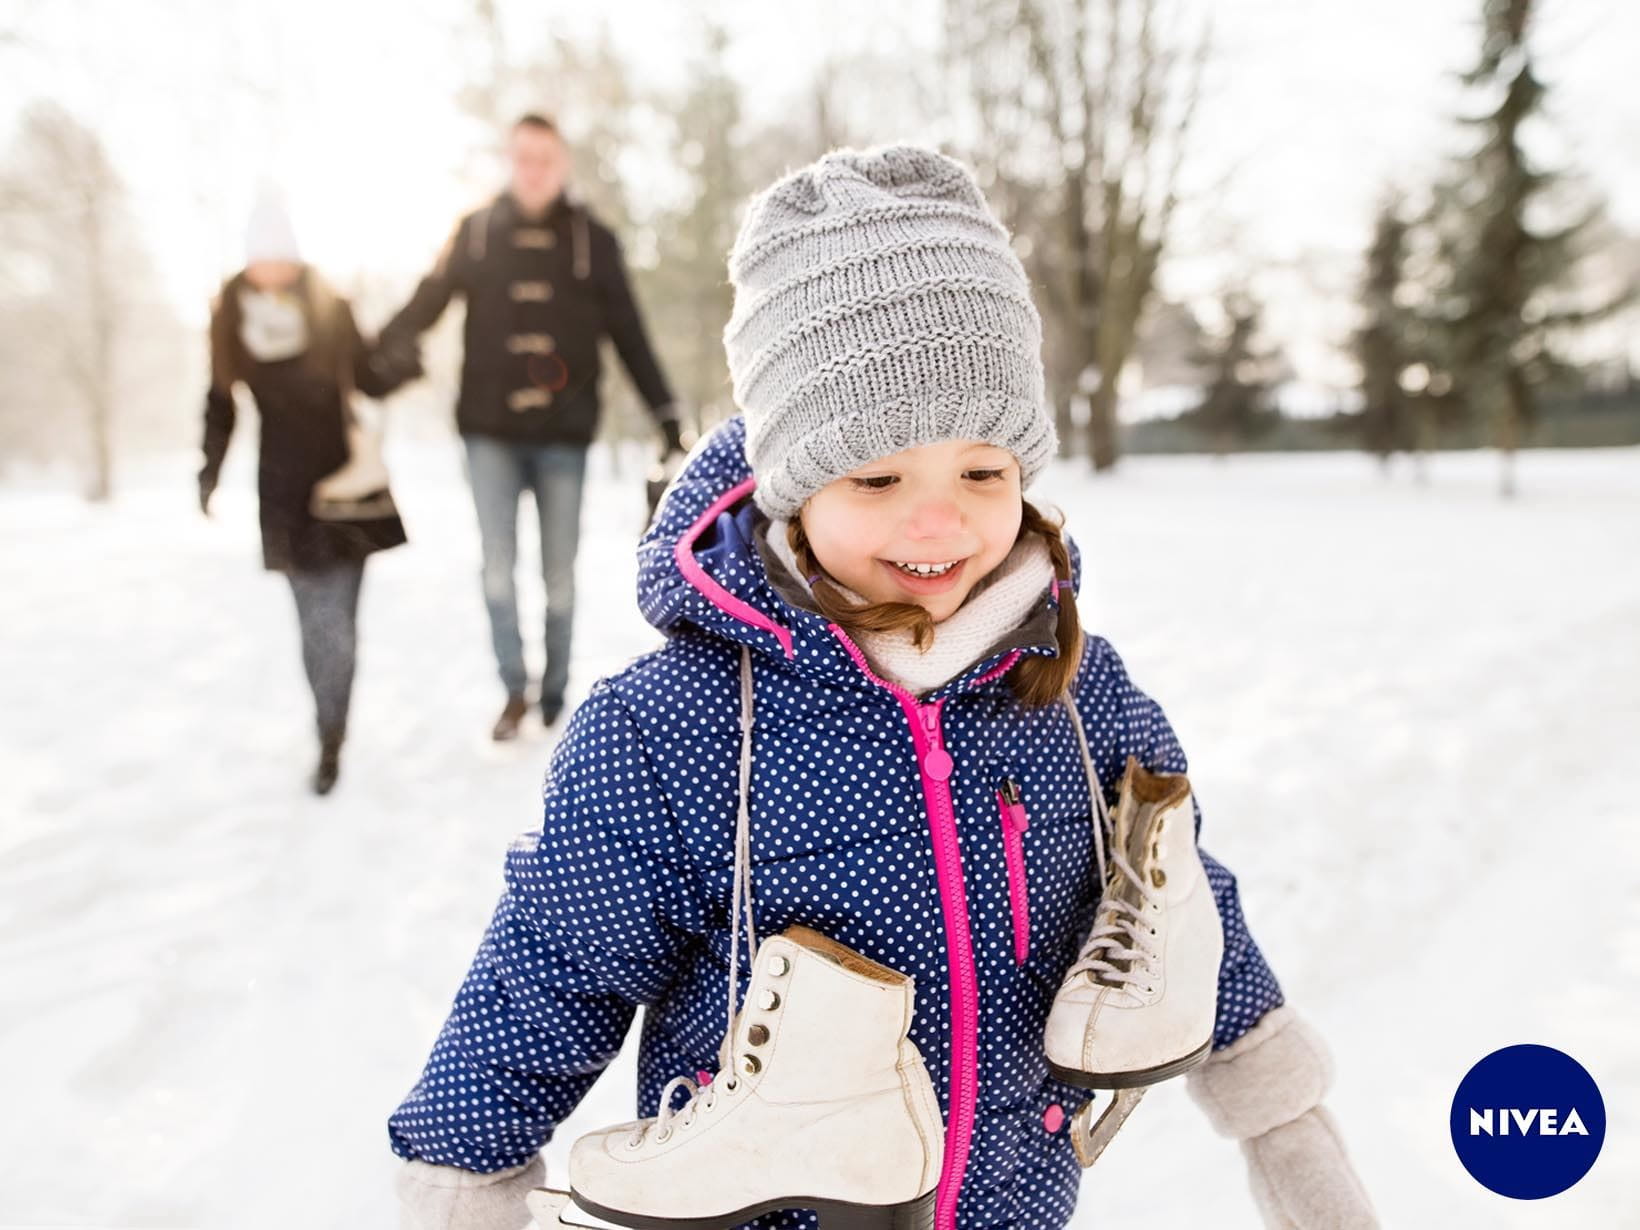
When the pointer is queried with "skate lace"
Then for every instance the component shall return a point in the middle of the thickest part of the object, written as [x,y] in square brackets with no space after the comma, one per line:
[1121,932]
[703,1098]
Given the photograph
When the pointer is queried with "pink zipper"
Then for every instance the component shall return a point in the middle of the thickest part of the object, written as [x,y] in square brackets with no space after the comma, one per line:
[935,764]
[683,555]
[1014,824]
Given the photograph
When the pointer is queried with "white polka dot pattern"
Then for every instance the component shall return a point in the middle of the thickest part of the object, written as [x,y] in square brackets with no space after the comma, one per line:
[622,898]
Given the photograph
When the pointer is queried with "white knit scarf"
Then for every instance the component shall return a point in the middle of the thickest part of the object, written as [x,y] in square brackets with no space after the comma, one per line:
[999,603]
[271,324]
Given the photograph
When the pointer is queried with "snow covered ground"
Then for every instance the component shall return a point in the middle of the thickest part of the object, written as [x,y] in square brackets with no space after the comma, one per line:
[1412,715]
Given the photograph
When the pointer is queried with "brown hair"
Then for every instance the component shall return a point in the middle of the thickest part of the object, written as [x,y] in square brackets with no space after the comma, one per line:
[537,121]
[1035,680]
[332,339]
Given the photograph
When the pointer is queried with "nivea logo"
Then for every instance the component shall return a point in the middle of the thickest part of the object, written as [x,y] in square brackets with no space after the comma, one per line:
[1540,1120]
[1528,1121]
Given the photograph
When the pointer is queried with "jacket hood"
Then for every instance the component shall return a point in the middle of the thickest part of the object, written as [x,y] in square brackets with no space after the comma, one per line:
[701,563]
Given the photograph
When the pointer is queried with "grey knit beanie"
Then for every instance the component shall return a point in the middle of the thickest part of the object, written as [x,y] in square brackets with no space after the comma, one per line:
[879,307]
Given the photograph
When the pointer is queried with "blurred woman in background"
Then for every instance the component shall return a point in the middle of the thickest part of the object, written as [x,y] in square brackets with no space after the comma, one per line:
[279,329]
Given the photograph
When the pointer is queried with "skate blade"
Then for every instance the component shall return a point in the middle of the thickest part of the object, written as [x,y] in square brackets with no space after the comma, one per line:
[556,1210]
[1089,1136]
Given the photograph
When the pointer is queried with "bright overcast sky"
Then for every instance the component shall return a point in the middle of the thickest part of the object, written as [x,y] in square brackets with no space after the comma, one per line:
[1315,104]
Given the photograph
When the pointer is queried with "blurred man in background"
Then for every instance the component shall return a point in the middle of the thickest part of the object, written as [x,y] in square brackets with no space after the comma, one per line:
[544,281]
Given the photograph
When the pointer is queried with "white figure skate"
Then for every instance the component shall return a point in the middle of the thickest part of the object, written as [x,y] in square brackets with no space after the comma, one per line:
[358,490]
[825,1105]
[1138,1005]
[821,1101]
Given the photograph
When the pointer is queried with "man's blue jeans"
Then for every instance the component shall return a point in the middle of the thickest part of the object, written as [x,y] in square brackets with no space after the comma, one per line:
[500,472]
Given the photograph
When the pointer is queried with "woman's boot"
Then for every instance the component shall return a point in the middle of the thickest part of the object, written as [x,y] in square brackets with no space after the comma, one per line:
[330,762]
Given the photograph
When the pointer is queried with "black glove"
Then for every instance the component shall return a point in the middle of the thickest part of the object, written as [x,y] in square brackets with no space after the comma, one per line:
[396,361]
[672,431]
[207,484]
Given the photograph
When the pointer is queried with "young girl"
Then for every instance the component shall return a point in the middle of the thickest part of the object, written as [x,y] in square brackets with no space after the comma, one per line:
[912,627]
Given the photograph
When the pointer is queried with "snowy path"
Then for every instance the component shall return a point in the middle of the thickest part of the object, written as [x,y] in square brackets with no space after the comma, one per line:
[1411,715]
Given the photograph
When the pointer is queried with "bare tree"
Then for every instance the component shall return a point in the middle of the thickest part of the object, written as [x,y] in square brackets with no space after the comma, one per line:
[70,257]
[1081,112]
[691,298]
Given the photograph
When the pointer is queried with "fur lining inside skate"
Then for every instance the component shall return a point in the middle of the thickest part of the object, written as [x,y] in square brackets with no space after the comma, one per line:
[1162,789]
[840,954]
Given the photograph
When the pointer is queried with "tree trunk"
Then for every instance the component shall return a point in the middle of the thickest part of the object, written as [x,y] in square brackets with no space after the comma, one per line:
[1425,439]
[101,360]
[1064,421]
[1508,442]
[1102,441]
[102,455]
[1512,427]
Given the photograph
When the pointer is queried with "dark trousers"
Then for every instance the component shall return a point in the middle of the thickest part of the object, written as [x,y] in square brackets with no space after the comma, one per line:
[327,608]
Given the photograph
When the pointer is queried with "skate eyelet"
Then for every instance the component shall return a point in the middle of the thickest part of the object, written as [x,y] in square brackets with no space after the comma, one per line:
[757,1035]
[662,1137]
[779,966]
[751,1065]
[731,1085]
[769,1001]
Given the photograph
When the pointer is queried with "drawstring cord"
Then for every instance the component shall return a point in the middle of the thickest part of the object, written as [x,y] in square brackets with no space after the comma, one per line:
[742,888]
[1101,810]
[1125,921]
[740,894]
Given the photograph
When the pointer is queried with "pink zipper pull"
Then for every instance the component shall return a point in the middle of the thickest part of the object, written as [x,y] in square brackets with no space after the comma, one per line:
[936,761]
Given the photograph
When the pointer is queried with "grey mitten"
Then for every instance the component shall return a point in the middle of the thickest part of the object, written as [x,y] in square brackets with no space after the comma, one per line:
[448,1198]
[1265,1090]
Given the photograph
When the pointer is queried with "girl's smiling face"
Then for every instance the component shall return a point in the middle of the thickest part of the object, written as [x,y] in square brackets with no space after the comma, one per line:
[955,506]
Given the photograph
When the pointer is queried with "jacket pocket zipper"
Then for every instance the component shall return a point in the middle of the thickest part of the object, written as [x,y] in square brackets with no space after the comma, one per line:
[1014,823]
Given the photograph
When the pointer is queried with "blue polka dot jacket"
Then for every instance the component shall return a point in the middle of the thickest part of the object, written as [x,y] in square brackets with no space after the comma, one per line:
[621,900]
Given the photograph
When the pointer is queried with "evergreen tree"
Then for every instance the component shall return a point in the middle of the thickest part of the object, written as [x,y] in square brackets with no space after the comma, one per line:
[1380,343]
[1510,281]
[1235,410]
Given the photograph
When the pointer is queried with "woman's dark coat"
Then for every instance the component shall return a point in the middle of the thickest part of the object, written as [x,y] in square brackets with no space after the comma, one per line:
[301,403]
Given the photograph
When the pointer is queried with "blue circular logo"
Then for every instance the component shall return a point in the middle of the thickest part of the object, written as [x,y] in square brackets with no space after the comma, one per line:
[1528,1122]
